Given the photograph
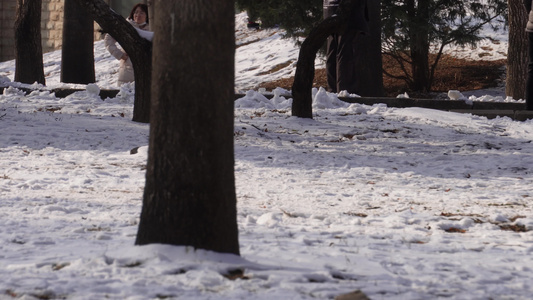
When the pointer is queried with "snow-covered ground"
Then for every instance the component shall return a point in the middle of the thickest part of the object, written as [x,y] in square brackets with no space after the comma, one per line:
[399,203]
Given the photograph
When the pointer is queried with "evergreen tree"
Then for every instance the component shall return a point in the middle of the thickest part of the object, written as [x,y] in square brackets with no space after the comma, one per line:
[411,27]
[296,17]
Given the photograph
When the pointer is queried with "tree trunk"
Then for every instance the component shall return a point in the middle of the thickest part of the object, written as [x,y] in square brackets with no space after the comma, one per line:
[419,44]
[370,81]
[302,104]
[139,50]
[517,59]
[189,197]
[151,10]
[28,48]
[77,54]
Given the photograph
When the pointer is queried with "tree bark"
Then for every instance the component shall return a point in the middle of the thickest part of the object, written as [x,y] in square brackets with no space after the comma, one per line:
[517,58]
[139,50]
[189,197]
[419,44]
[29,67]
[305,67]
[77,52]
[370,82]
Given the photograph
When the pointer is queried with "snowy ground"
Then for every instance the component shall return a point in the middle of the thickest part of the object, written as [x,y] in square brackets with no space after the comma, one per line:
[399,203]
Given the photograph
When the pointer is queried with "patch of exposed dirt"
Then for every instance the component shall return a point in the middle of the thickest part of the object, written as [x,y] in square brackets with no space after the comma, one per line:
[451,74]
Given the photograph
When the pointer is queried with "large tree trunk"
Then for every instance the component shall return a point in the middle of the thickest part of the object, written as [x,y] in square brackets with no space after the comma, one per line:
[139,50]
[28,47]
[77,54]
[189,197]
[517,51]
[370,81]
[419,44]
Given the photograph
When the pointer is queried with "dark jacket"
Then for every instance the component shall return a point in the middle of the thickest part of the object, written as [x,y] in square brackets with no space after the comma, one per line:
[358,17]
[527,4]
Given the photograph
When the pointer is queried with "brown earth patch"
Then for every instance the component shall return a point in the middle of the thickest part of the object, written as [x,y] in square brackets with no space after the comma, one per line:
[451,74]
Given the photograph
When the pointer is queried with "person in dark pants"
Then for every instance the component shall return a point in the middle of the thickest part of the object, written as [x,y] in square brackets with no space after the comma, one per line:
[340,56]
[529,80]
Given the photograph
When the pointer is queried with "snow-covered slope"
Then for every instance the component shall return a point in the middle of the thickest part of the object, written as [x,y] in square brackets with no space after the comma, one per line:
[399,203]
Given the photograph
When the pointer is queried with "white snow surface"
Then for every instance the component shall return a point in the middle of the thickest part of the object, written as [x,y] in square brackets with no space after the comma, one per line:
[399,203]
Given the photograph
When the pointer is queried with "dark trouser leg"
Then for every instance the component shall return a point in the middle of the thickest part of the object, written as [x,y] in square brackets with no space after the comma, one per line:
[346,73]
[331,63]
[529,80]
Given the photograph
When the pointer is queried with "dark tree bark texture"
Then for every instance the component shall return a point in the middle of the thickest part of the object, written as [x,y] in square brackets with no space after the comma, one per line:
[418,13]
[28,48]
[370,83]
[517,59]
[139,50]
[189,197]
[77,53]
[305,67]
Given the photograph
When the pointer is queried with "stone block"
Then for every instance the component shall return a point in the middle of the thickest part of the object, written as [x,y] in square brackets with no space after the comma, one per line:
[55,16]
[50,25]
[48,44]
[45,15]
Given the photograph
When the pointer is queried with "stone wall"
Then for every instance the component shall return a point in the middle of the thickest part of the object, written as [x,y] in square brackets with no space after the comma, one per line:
[51,27]
[52,24]
[7,33]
